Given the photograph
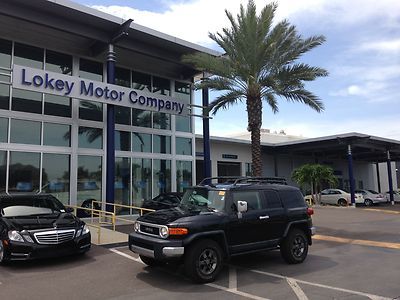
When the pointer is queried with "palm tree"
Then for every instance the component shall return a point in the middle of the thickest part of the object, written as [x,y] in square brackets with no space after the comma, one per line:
[259,65]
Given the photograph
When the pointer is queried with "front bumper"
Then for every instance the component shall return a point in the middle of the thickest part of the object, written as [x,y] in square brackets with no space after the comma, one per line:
[157,248]
[27,251]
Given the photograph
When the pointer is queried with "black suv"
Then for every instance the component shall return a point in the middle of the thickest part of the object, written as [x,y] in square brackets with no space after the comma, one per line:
[217,221]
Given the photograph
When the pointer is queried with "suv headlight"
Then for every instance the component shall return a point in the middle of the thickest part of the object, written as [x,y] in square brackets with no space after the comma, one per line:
[164,232]
[136,226]
[15,236]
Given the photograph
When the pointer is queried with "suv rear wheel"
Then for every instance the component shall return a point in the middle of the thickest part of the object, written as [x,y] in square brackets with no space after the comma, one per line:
[294,247]
[203,261]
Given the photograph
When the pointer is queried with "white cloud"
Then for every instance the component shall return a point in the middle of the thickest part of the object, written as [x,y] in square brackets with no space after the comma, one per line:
[381,46]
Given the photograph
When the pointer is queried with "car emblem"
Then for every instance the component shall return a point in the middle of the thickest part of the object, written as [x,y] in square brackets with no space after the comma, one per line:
[55,226]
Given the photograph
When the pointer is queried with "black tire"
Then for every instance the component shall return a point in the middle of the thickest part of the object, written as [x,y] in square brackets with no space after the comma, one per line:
[342,202]
[203,261]
[151,262]
[2,254]
[294,248]
[368,202]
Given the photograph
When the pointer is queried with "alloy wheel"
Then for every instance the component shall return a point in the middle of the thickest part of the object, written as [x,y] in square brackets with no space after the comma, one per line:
[208,261]
[298,246]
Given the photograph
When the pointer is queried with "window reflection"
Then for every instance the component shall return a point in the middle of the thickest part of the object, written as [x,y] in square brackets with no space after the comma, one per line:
[141,142]
[27,101]
[161,86]
[122,183]
[3,166]
[3,130]
[57,106]
[90,70]
[141,118]
[89,178]
[183,175]
[28,56]
[4,96]
[24,172]
[5,53]
[122,115]
[58,62]
[55,176]
[25,132]
[141,81]
[161,144]
[183,93]
[161,121]
[141,180]
[183,146]
[90,137]
[161,176]
[56,135]
[122,77]
[92,111]
[122,140]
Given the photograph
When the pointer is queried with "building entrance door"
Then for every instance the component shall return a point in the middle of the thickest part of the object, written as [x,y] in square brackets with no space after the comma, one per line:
[229,168]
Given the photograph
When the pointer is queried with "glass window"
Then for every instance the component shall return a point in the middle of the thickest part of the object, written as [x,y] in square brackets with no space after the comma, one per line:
[248,169]
[57,106]
[252,198]
[122,140]
[183,146]
[183,93]
[58,62]
[292,199]
[161,144]
[141,81]
[90,70]
[27,101]
[122,115]
[89,178]
[24,172]
[141,180]
[4,96]
[5,53]
[122,77]
[141,118]
[89,137]
[89,110]
[141,142]
[3,130]
[122,183]
[25,132]
[161,86]
[56,135]
[55,176]
[161,176]
[28,56]
[3,169]
[161,121]
[183,175]
[273,200]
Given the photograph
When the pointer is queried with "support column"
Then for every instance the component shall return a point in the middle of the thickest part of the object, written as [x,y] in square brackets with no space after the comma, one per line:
[378,177]
[110,149]
[206,134]
[390,179]
[351,175]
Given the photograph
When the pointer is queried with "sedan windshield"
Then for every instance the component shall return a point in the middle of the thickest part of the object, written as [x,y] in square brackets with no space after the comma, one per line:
[30,206]
[204,199]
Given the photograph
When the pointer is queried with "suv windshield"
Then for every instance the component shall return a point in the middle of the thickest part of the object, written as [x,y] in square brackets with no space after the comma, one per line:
[202,198]
[29,206]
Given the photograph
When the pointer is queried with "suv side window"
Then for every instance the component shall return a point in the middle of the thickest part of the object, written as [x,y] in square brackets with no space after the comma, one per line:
[252,198]
[272,199]
[292,199]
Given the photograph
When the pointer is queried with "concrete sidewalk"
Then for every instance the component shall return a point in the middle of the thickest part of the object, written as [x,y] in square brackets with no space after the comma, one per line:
[107,236]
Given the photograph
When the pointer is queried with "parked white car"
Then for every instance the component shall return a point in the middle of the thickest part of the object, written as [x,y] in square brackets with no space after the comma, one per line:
[339,197]
[396,196]
[371,197]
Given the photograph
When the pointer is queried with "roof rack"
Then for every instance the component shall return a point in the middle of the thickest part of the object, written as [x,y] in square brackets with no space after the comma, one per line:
[234,180]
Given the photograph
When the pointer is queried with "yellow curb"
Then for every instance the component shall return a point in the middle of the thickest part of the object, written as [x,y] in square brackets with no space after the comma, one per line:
[357,242]
[384,211]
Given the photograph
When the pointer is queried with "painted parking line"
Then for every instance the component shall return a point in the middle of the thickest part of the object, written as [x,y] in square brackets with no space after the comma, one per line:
[394,212]
[296,289]
[357,242]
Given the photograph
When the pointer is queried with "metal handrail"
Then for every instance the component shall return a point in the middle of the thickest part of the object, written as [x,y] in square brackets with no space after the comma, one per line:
[241,179]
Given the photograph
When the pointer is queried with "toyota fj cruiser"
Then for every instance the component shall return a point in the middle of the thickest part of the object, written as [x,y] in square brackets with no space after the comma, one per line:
[216,221]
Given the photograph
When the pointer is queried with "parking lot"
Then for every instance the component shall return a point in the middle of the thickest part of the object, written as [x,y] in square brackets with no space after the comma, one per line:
[356,255]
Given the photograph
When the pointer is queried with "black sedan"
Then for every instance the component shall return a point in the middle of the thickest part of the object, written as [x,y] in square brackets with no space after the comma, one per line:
[163,201]
[38,226]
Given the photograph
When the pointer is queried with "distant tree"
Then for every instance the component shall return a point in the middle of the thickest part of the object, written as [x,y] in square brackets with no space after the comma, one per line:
[259,65]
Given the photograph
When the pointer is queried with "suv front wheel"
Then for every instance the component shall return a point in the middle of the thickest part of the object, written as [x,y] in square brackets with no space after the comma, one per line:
[203,261]
[294,247]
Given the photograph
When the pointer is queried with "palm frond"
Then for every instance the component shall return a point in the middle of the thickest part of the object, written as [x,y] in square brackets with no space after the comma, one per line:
[225,100]
[303,96]
[271,100]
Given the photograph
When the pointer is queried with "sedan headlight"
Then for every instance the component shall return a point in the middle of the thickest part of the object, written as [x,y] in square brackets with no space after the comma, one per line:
[15,236]
[164,232]
[136,226]
[85,230]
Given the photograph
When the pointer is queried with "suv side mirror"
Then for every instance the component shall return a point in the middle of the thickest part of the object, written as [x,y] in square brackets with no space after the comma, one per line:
[241,207]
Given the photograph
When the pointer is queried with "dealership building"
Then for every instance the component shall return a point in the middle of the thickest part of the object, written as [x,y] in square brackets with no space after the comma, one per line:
[96,107]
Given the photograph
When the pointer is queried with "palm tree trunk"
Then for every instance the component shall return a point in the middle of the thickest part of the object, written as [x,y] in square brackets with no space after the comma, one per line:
[254,116]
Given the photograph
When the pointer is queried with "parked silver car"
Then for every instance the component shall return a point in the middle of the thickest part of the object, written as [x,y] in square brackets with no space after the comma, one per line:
[339,197]
[396,196]
[371,197]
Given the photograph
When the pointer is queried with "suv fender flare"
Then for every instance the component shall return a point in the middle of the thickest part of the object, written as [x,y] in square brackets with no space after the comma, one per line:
[293,224]
[221,239]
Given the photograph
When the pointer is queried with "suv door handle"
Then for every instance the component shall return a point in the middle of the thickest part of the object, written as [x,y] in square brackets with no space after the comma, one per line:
[263,217]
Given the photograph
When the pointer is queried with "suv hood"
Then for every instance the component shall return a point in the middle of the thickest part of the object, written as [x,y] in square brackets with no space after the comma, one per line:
[166,216]
[62,220]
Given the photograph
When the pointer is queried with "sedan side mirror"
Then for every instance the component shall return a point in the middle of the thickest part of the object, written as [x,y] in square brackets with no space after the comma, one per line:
[241,207]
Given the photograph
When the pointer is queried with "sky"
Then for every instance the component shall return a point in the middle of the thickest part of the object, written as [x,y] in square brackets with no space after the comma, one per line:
[361,54]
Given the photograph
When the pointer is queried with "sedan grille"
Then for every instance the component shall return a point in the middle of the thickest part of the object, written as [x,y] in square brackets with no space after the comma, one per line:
[54,237]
